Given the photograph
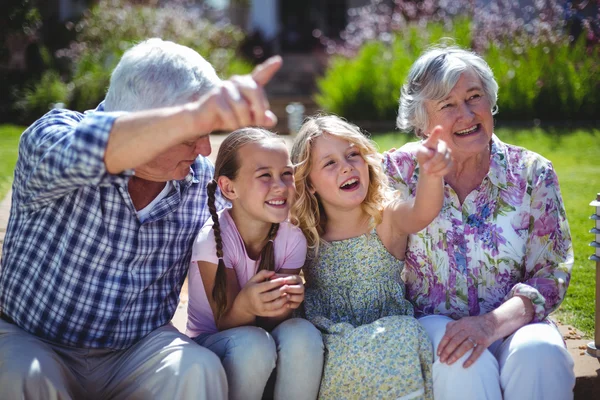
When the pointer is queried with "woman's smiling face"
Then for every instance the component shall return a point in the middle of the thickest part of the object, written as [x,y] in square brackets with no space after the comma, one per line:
[466,116]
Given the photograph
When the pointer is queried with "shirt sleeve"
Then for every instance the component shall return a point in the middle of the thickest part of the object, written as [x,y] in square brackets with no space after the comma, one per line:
[295,249]
[205,248]
[400,167]
[549,251]
[61,152]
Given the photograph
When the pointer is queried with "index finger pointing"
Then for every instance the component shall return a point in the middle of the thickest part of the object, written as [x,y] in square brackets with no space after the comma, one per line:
[433,138]
[263,72]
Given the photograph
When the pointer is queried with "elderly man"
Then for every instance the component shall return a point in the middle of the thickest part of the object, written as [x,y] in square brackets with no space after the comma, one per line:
[105,208]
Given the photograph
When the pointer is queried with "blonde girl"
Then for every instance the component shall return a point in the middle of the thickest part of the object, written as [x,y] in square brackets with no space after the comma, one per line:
[357,232]
[243,278]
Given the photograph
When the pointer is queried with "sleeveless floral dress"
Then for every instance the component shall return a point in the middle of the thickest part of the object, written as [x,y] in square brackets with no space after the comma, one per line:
[375,348]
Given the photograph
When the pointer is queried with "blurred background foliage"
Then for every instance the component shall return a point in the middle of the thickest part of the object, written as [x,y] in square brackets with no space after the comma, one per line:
[545,53]
[78,74]
[545,56]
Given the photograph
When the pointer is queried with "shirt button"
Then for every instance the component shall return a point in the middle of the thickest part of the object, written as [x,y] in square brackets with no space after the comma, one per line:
[122,317]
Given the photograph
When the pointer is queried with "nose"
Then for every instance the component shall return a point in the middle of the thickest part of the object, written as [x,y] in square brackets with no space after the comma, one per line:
[346,166]
[279,185]
[202,146]
[466,113]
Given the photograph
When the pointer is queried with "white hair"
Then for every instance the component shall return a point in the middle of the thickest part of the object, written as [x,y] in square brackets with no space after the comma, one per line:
[432,77]
[157,73]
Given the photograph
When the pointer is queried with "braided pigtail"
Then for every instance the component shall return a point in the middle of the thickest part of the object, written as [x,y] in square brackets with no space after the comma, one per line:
[219,292]
[267,255]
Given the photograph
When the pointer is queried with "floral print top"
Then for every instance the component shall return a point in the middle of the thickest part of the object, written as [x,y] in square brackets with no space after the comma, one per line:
[509,237]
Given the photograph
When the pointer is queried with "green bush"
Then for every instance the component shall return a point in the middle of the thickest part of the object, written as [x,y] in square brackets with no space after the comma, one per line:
[111,27]
[38,98]
[537,80]
[550,82]
[367,86]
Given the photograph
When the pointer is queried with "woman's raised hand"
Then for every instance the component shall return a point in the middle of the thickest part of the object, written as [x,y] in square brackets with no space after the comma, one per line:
[434,156]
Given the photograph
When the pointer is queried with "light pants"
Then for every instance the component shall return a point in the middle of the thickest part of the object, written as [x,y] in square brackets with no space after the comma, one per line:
[531,364]
[249,355]
[164,365]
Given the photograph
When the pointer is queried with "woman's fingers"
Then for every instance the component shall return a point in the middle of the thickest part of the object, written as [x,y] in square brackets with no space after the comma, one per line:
[447,349]
[462,336]
[477,352]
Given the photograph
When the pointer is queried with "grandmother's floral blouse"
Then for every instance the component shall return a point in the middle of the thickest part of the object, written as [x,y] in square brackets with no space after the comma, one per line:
[509,237]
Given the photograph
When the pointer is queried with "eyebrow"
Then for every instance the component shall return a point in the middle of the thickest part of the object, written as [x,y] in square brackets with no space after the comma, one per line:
[471,89]
[268,168]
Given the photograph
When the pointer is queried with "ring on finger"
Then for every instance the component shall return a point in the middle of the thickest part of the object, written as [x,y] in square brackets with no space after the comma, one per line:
[473,342]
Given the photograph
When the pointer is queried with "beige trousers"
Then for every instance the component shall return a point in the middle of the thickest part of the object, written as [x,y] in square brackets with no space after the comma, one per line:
[164,365]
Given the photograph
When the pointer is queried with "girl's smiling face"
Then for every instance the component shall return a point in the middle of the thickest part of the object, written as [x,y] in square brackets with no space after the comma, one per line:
[263,189]
[339,174]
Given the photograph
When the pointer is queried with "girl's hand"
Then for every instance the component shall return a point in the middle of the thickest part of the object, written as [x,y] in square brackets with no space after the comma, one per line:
[468,333]
[434,155]
[263,297]
[294,289]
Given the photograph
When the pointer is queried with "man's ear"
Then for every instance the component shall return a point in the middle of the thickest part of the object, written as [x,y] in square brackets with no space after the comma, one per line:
[227,187]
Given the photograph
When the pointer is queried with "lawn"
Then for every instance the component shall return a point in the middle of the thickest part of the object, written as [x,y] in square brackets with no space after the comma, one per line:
[9,141]
[575,155]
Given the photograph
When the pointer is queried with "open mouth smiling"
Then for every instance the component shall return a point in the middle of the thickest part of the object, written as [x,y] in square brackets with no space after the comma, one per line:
[350,184]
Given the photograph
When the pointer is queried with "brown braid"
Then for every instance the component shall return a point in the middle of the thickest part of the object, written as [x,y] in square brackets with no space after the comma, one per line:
[267,255]
[219,292]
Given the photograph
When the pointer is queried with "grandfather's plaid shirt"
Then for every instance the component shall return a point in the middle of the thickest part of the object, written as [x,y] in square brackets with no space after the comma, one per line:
[78,267]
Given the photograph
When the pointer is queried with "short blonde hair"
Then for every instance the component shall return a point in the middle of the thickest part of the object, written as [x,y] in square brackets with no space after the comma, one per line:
[307,212]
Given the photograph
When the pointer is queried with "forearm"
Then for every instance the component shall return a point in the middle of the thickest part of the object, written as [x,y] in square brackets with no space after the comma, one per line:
[235,316]
[429,197]
[139,137]
[510,316]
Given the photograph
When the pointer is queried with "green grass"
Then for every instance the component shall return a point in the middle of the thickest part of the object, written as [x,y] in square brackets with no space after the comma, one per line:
[575,156]
[9,141]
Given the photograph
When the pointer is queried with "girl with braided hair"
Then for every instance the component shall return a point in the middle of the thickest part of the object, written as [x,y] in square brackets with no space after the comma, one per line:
[243,278]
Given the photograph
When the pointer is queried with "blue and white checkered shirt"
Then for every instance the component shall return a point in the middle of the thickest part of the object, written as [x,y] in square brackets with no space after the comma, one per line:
[78,267]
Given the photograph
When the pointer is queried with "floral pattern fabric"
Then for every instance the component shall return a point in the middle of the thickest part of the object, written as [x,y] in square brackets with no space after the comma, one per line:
[375,348]
[509,237]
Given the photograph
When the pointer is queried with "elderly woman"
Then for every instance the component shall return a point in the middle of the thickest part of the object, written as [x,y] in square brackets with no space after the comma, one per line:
[487,272]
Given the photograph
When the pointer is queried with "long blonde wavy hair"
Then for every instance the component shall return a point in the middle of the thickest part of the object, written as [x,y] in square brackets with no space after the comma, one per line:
[307,211]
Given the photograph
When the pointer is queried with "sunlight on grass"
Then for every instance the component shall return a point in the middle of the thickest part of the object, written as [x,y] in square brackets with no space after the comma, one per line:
[9,141]
[575,156]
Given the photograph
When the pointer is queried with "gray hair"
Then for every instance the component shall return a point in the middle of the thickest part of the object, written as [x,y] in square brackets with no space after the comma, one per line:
[157,73]
[432,77]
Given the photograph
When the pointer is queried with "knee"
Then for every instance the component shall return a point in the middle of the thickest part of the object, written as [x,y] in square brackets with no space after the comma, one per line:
[203,361]
[298,337]
[485,367]
[254,348]
[537,354]
[30,377]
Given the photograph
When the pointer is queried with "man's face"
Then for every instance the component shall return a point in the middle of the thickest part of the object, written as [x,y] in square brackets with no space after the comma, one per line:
[174,163]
